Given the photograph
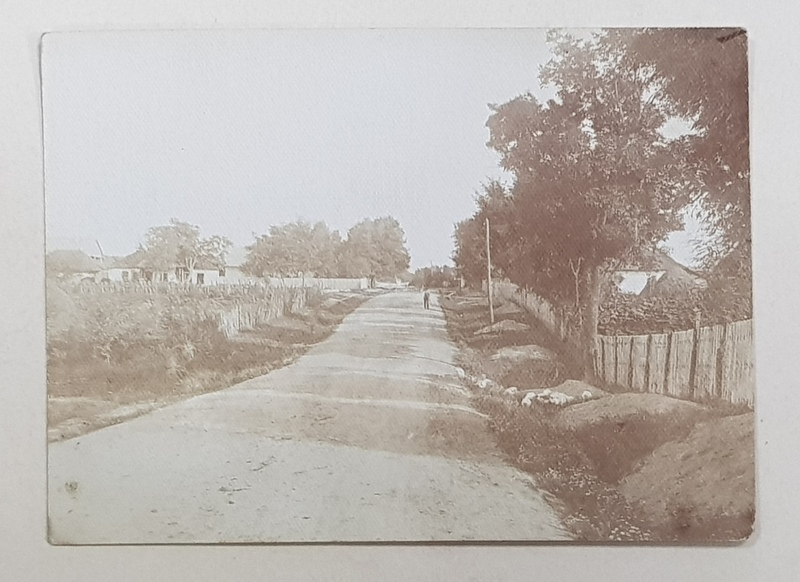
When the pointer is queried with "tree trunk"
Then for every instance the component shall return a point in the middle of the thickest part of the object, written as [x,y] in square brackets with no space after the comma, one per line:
[591,310]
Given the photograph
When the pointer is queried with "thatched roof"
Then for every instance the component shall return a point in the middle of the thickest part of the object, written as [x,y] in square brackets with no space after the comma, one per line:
[70,262]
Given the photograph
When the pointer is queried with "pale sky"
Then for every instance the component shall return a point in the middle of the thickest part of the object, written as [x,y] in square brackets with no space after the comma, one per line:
[237,131]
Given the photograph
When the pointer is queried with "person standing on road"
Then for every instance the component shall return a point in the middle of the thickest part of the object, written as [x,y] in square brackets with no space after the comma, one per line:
[426,299]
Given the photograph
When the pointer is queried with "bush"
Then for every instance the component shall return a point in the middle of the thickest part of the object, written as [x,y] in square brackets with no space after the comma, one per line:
[622,314]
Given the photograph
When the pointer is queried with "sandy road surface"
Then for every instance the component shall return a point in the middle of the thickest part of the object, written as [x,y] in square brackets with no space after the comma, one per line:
[368,437]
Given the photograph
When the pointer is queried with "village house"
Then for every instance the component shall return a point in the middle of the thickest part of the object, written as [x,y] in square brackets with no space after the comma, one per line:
[77,265]
[72,266]
[655,273]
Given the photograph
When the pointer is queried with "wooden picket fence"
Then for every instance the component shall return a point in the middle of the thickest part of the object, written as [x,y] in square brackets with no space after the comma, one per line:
[706,363]
[323,283]
[702,364]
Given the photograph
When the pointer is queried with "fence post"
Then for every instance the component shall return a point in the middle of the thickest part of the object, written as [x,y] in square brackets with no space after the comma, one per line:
[720,368]
[648,355]
[693,361]
[630,363]
[667,375]
[603,357]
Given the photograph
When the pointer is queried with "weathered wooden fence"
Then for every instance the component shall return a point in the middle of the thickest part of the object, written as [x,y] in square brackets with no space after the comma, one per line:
[699,364]
[249,315]
[326,283]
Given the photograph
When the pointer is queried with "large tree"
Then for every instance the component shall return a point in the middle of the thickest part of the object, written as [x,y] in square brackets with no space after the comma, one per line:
[702,75]
[494,203]
[180,245]
[375,248]
[296,248]
[594,178]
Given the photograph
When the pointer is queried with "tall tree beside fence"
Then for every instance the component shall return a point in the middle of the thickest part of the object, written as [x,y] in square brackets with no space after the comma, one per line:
[594,179]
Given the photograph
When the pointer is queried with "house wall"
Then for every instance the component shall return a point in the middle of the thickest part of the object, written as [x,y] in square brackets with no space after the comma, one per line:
[165,277]
[118,275]
[235,276]
[209,277]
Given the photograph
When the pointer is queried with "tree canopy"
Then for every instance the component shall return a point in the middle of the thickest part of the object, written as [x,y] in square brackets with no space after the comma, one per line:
[375,248]
[295,248]
[433,277]
[703,76]
[179,244]
[596,177]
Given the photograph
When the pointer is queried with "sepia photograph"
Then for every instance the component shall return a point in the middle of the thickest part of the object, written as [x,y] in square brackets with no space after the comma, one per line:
[399,286]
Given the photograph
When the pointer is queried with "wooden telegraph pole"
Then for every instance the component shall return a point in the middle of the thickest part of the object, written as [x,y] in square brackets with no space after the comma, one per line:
[489,274]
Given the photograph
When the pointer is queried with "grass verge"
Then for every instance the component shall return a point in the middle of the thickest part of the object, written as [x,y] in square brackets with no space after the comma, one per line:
[87,391]
[609,464]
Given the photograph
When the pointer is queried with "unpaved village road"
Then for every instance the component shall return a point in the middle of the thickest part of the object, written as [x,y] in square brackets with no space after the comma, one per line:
[368,437]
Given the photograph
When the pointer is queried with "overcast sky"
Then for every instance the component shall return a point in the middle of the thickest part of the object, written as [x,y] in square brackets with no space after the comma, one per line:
[237,131]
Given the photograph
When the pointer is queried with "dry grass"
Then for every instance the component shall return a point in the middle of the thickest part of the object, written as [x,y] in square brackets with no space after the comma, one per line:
[621,407]
[622,467]
[694,484]
[158,350]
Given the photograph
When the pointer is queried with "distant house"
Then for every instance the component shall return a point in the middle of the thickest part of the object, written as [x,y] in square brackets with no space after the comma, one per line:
[71,265]
[134,267]
[656,273]
[89,247]
[205,275]
[119,270]
[80,266]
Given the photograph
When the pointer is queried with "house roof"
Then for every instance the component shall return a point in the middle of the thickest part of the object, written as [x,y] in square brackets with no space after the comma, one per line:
[131,261]
[136,260]
[655,260]
[674,276]
[735,264]
[70,261]
[88,246]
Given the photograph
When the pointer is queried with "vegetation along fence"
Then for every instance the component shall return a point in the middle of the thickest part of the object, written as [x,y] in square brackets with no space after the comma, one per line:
[713,362]
[249,315]
[150,288]
[328,284]
[235,307]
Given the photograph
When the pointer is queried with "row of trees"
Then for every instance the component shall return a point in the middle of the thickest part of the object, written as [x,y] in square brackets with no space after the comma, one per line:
[374,248]
[434,277]
[596,177]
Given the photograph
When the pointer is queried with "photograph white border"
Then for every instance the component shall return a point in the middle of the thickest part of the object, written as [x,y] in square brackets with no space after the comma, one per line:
[769,555]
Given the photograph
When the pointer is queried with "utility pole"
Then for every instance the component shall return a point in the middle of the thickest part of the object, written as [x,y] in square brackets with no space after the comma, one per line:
[489,273]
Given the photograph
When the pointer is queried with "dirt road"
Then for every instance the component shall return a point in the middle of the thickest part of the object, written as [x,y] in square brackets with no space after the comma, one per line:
[368,437]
